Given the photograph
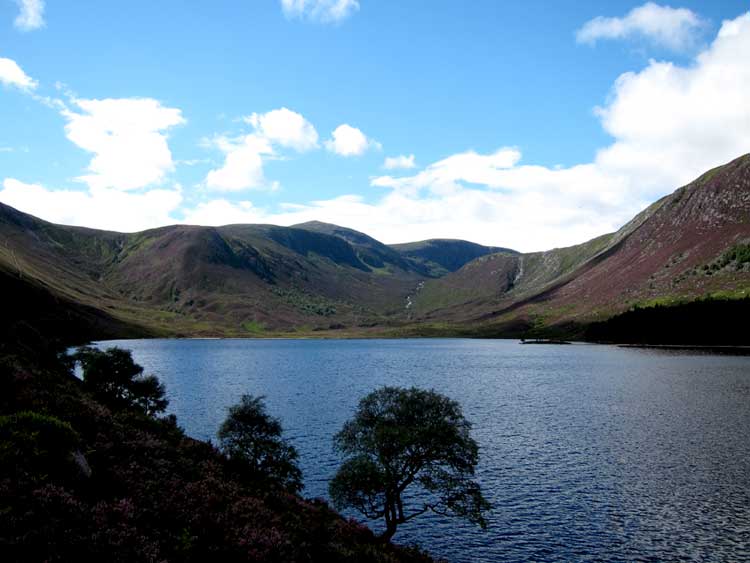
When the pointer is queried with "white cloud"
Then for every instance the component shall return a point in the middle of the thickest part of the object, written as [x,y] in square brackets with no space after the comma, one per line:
[323,11]
[13,75]
[399,162]
[127,137]
[30,16]
[223,212]
[286,128]
[103,208]
[245,155]
[669,123]
[243,164]
[674,28]
[350,141]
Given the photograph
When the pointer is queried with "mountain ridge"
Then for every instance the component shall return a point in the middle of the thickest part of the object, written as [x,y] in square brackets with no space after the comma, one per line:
[255,280]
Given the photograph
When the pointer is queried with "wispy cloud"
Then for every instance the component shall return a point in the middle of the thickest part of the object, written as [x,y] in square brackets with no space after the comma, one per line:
[674,28]
[399,162]
[321,11]
[30,16]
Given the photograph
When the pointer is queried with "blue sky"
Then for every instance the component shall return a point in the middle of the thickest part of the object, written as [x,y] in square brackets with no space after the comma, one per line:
[522,124]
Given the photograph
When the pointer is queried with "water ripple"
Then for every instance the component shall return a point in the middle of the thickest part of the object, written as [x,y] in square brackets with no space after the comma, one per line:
[588,453]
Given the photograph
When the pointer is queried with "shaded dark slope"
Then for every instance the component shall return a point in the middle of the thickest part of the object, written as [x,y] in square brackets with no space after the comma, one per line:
[371,252]
[437,257]
[86,478]
[33,311]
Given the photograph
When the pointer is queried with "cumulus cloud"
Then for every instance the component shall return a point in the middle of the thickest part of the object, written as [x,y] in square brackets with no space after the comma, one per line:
[103,208]
[669,123]
[674,28]
[127,137]
[399,162]
[13,75]
[243,164]
[350,141]
[323,11]
[286,128]
[30,16]
[245,155]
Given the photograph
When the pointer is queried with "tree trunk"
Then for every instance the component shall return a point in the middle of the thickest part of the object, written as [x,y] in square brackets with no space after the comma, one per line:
[390,530]
[391,519]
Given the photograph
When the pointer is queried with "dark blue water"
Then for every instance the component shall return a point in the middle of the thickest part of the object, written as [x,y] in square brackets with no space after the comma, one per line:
[588,453]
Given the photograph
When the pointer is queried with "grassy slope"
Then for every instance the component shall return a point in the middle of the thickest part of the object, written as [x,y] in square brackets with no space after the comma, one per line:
[260,280]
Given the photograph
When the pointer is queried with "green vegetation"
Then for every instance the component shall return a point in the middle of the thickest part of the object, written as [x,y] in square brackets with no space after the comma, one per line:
[403,439]
[262,280]
[308,304]
[87,478]
[252,438]
[738,255]
[115,379]
[37,445]
[254,327]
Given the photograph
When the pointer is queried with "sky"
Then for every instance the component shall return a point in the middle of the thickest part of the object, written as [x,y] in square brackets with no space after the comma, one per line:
[529,124]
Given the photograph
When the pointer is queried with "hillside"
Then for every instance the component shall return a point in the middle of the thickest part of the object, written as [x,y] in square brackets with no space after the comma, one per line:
[86,479]
[687,245]
[255,280]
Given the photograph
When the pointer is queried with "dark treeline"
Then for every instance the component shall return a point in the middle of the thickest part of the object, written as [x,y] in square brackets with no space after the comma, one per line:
[707,322]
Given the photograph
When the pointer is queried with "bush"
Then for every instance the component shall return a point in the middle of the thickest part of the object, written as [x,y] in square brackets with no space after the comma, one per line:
[253,438]
[37,447]
[114,378]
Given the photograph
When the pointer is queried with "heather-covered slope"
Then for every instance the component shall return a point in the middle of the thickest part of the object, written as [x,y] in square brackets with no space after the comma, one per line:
[84,480]
[687,245]
[239,279]
[248,280]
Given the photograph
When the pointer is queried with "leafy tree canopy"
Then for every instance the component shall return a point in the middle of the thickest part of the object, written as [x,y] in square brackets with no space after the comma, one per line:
[412,439]
[252,437]
[113,377]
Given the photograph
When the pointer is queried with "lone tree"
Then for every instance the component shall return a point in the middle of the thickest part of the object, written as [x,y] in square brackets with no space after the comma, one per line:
[253,438]
[412,439]
[113,377]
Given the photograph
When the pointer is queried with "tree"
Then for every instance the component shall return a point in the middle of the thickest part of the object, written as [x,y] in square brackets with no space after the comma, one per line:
[412,439]
[113,377]
[252,437]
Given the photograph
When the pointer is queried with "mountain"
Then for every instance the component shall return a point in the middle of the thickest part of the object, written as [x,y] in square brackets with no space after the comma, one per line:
[689,244]
[248,280]
[237,279]
[437,257]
